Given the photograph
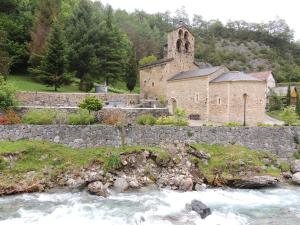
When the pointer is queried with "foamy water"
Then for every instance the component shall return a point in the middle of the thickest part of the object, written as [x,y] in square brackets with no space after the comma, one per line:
[154,207]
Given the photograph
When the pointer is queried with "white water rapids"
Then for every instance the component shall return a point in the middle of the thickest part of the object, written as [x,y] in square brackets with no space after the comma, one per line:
[280,206]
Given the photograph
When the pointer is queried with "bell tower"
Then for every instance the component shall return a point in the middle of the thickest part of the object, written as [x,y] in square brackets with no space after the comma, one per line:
[181,45]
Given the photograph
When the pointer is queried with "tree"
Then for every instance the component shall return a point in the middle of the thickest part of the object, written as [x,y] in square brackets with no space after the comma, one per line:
[147,60]
[46,11]
[289,116]
[81,33]
[132,71]
[7,95]
[288,95]
[111,51]
[5,60]
[53,64]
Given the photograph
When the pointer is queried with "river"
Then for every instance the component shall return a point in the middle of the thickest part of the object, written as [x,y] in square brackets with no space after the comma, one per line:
[149,206]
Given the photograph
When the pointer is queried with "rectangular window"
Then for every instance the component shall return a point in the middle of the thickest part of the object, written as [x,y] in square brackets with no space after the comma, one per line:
[196,98]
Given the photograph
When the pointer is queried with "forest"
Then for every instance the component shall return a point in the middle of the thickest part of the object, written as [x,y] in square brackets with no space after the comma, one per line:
[59,42]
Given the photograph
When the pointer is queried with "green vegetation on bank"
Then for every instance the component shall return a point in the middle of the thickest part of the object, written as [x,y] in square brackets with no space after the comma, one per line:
[232,161]
[40,156]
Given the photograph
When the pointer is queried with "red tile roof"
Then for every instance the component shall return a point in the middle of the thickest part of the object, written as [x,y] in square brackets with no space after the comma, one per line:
[264,75]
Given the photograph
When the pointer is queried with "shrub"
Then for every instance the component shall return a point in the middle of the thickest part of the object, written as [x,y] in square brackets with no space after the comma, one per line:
[165,120]
[42,117]
[7,95]
[275,103]
[162,101]
[147,60]
[91,103]
[12,117]
[113,162]
[81,117]
[146,119]
[289,116]
[3,120]
[112,117]
[264,125]
[232,124]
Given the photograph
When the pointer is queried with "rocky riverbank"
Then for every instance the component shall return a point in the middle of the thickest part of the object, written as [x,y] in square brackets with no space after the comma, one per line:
[39,166]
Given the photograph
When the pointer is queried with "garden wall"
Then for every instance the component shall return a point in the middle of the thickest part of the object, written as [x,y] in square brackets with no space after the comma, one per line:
[71,99]
[282,141]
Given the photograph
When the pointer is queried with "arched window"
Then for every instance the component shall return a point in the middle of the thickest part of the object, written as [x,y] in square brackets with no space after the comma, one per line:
[186,35]
[152,84]
[145,82]
[178,45]
[219,101]
[187,46]
[180,32]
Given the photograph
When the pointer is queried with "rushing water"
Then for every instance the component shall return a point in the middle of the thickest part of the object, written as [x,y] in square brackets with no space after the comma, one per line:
[151,207]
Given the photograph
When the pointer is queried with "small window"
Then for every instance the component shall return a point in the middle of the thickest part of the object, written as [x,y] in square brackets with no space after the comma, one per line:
[152,84]
[145,82]
[180,32]
[196,97]
[187,46]
[178,45]
[186,35]
[219,101]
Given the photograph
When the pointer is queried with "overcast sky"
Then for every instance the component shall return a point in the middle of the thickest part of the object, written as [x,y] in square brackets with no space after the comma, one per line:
[224,10]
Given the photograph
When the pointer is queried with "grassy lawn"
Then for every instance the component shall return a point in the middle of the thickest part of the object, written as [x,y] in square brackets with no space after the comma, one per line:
[275,114]
[25,83]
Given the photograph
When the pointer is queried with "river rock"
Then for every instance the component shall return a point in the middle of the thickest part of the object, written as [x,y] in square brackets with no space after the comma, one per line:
[121,184]
[76,183]
[199,208]
[186,184]
[295,168]
[97,188]
[296,178]
[254,182]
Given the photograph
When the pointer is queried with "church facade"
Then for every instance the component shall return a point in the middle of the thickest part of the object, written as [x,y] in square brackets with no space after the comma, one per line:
[209,94]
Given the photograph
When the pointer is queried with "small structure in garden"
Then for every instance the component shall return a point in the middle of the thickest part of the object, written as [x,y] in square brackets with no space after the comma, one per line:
[282,93]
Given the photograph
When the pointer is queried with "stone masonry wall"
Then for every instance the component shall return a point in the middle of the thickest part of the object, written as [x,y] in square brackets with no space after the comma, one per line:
[71,99]
[282,141]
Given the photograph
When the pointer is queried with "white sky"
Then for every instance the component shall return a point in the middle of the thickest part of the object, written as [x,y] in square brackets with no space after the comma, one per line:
[224,10]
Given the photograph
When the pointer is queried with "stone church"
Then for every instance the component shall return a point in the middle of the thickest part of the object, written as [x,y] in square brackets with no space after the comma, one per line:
[209,94]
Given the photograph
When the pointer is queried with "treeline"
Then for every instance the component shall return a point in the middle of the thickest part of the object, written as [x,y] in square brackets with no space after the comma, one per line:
[56,40]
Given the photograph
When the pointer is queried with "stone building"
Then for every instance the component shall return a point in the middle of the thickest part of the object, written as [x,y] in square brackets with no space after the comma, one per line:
[209,94]
[266,76]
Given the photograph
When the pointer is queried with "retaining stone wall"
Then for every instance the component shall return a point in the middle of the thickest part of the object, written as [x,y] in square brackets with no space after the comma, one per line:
[282,141]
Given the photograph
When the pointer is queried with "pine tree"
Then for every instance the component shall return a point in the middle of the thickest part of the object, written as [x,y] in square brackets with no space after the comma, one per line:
[47,10]
[53,63]
[112,52]
[82,32]
[288,95]
[5,60]
[132,71]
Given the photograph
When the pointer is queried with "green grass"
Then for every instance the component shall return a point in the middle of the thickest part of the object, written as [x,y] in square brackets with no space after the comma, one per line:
[275,114]
[228,161]
[39,155]
[26,83]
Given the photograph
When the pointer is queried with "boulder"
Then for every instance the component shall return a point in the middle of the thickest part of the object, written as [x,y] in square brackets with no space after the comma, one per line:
[254,182]
[295,168]
[200,187]
[76,183]
[296,178]
[121,184]
[97,188]
[199,208]
[186,184]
